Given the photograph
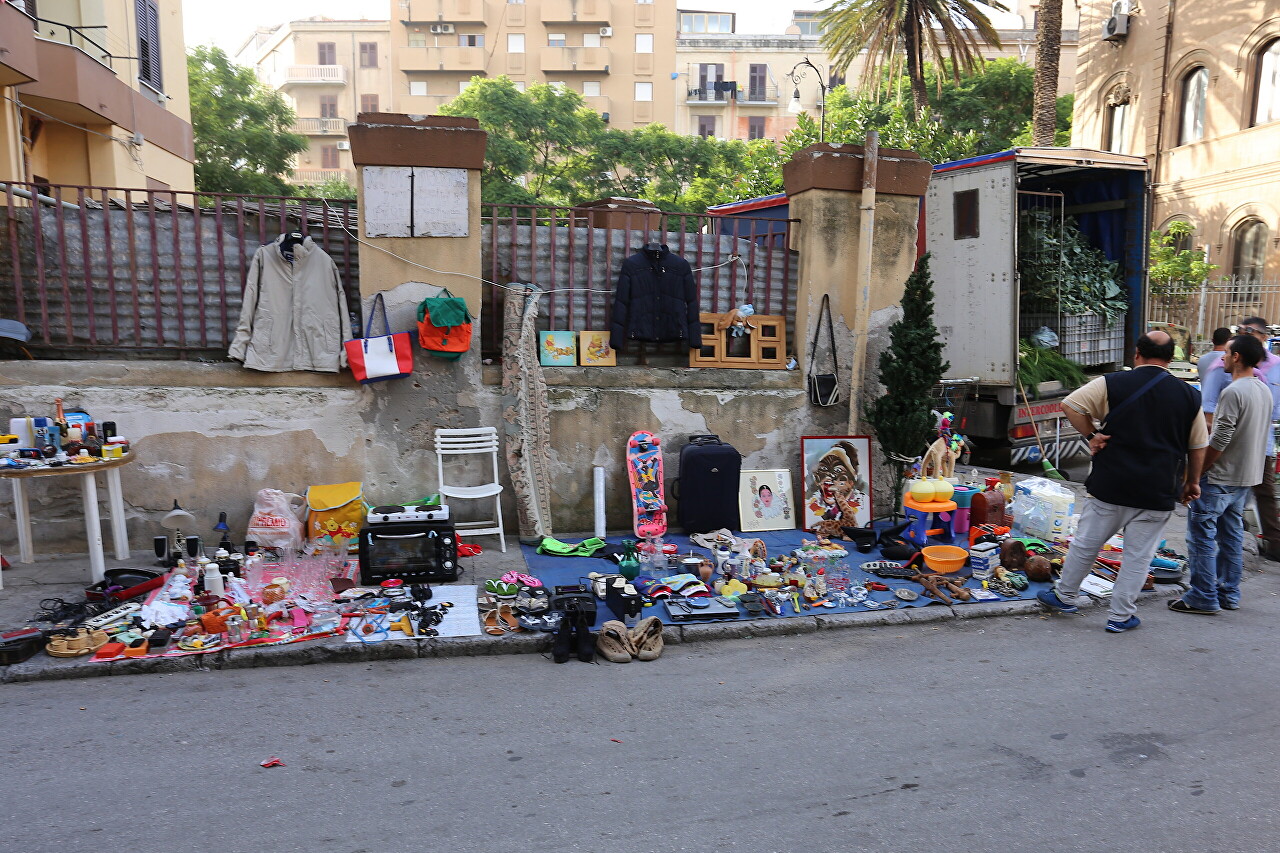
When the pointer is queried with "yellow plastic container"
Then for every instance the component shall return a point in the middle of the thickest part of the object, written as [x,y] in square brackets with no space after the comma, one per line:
[922,490]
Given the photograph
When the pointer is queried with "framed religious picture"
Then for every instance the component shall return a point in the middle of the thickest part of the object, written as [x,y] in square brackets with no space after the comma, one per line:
[765,501]
[837,483]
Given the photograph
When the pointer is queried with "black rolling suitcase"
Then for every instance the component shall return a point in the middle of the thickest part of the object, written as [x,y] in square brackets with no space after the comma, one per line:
[707,488]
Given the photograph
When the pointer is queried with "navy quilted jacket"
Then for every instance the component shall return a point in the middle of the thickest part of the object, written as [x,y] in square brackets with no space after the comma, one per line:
[655,300]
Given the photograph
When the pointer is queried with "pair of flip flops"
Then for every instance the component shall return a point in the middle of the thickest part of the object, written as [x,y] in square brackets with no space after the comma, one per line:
[521,579]
[585,548]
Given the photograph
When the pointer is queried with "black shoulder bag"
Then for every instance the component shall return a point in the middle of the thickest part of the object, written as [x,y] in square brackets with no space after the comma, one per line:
[824,388]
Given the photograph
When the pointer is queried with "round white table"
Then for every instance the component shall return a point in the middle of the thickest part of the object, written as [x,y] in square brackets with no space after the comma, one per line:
[92,521]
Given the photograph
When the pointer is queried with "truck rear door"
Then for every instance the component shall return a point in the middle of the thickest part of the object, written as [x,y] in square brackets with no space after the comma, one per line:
[970,230]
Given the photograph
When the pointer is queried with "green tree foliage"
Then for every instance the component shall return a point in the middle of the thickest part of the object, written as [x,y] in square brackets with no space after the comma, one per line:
[675,172]
[849,117]
[895,33]
[546,147]
[335,188]
[241,127]
[909,369]
[1175,273]
[534,137]
[996,104]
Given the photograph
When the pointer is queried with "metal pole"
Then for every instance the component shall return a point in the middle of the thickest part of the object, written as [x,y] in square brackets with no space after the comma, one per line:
[862,311]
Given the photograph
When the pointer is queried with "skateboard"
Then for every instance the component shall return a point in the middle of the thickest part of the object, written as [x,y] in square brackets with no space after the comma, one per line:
[644,468]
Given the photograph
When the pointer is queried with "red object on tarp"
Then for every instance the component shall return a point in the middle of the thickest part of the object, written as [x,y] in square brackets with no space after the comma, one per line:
[273,762]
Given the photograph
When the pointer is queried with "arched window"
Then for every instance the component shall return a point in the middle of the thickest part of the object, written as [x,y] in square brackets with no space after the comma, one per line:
[1266,84]
[1195,91]
[1117,116]
[1249,241]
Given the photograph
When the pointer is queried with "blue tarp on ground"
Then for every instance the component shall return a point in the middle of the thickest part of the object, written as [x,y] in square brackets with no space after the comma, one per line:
[562,571]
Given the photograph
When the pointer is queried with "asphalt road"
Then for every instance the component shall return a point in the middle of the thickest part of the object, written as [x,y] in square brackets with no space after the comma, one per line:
[1010,734]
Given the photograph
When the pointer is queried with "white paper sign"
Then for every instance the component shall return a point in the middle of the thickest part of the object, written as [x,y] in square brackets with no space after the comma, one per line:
[415,201]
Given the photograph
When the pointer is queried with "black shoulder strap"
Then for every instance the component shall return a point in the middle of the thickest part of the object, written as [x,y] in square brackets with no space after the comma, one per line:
[824,313]
[1151,383]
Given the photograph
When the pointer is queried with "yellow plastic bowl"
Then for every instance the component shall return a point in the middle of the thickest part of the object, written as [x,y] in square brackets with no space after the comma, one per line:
[944,558]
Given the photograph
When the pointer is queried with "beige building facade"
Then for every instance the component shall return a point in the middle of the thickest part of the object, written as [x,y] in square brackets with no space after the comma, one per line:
[756,95]
[328,71]
[94,93]
[1195,88]
[618,54]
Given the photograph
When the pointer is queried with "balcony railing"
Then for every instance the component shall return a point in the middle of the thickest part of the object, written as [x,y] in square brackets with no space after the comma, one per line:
[442,59]
[318,176]
[329,74]
[758,95]
[575,59]
[320,126]
[706,95]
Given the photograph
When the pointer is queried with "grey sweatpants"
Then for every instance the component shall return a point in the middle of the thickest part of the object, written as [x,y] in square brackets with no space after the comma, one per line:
[1099,522]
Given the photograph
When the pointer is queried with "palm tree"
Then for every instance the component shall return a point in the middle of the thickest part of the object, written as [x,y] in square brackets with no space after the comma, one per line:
[915,30]
[1044,100]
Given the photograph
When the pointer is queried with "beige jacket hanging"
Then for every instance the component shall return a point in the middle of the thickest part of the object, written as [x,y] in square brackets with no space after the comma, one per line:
[294,316]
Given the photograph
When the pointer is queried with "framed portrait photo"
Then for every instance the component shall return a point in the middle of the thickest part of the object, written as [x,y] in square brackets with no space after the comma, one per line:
[836,492]
[765,501]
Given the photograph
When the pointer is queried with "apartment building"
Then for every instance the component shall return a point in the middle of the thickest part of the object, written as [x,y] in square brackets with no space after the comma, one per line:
[94,93]
[742,86]
[329,71]
[618,54]
[1195,88]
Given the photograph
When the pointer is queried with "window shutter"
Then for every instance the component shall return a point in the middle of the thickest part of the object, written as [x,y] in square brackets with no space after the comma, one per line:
[147,20]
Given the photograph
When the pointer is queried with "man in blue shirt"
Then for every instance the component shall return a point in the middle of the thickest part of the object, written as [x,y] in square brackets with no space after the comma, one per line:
[1212,360]
[1264,493]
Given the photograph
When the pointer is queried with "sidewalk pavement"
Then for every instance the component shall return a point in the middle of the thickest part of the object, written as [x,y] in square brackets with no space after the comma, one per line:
[65,576]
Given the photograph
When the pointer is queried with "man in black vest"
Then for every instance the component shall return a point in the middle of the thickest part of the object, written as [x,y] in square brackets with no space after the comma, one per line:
[1148,442]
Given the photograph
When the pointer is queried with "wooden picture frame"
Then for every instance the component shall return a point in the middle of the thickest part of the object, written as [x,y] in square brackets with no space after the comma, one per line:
[765,501]
[836,490]
[762,347]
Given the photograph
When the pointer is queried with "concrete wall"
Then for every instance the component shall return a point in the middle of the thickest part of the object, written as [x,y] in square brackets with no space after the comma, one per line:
[211,435]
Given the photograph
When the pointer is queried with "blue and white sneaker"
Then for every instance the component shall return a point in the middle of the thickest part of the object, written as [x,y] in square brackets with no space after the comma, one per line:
[1049,598]
[1120,627]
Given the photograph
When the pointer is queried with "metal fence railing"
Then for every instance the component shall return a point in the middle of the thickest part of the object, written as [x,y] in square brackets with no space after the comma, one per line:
[576,253]
[1225,301]
[98,272]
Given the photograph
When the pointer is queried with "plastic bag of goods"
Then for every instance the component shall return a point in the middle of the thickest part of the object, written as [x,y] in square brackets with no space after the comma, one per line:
[277,520]
[1043,509]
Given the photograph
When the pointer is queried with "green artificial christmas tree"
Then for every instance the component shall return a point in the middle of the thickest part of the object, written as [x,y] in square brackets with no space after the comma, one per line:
[909,368]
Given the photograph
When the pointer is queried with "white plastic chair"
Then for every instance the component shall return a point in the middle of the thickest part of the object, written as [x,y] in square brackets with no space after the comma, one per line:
[472,442]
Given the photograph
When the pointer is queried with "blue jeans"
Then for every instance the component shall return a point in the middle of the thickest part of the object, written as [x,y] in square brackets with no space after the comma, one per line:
[1215,545]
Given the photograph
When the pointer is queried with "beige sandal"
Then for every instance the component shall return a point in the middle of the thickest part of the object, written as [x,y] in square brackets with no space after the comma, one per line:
[613,642]
[646,638]
[508,619]
[490,622]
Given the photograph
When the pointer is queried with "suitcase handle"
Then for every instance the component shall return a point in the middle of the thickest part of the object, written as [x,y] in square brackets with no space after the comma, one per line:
[705,439]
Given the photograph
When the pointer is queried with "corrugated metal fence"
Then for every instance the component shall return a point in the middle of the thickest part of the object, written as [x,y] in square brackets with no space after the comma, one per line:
[104,273]
[109,273]
[576,253]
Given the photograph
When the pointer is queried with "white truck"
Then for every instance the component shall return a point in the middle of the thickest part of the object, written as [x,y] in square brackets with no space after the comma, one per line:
[971,215]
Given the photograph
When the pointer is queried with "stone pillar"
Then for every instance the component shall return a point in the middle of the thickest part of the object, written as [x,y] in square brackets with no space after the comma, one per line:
[824,190]
[419,197]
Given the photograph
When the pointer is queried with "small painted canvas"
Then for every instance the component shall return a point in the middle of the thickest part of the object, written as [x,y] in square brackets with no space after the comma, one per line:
[837,483]
[594,350]
[765,501]
[558,349]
